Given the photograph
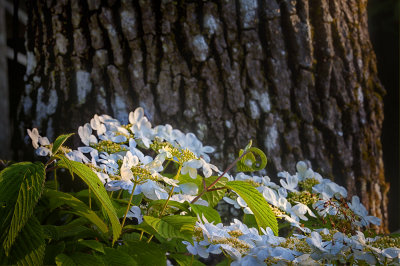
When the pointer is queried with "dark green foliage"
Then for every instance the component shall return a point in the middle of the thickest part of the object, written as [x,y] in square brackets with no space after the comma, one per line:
[21,186]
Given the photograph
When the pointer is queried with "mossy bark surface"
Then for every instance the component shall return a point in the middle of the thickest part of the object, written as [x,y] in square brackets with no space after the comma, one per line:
[297,77]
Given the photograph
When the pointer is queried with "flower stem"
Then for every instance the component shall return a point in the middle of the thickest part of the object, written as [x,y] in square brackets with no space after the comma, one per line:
[216,180]
[129,205]
[55,179]
[150,238]
[172,191]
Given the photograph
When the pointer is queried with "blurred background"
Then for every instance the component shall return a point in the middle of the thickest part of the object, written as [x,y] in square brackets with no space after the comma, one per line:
[384,32]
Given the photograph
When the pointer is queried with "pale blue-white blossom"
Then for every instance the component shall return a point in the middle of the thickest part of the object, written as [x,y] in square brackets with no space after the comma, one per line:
[85,133]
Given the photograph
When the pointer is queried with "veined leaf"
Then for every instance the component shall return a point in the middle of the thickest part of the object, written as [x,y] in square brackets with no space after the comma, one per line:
[52,250]
[66,164]
[184,260]
[93,244]
[249,220]
[81,258]
[117,257]
[58,198]
[143,227]
[21,186]
[145,253]
[160,203]
[60,140]
[76,228]
[64,260]
[175,226]
[94,183]
[256,202]
[208,212]
[29,246]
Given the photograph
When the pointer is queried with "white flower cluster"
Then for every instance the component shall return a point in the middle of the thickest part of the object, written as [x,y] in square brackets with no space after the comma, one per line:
[306,193]
[316,207]
[245,246]
[117,156]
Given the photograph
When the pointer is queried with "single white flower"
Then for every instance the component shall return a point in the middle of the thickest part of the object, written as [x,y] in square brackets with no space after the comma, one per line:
[208,168]
[191,167]
[152,191]
[97,125]
[136,116]
[85,133]
[358,208]
[196,249]
[300,210]
[290,183]
[34,135]
[330,189]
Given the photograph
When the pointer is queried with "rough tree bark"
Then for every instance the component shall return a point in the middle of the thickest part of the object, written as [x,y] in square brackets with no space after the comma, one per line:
[298,77]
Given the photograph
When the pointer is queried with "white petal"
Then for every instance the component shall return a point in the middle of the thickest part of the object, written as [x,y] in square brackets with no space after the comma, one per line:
[85,149]
[42,151]
[44,141]
[193,173]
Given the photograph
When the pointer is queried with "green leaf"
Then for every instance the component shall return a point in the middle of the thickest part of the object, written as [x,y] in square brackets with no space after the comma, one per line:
[75,228]
[94,183]
[249,220]
[224,262]
[145,253]
[50,232]
[143,227]
[29,246]
[21,186]
[208,212]
[249,163]
[215,196]
[59,142]
[64,260]
[131,236]
[66,164]
[85,259]
[117,257]
[93,244]
[58,198]
[184,260]
[256,202]
[52,250]
[160,204]
[175,226]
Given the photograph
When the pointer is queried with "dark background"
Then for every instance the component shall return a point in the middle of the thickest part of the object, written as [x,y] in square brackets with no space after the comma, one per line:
[384,30]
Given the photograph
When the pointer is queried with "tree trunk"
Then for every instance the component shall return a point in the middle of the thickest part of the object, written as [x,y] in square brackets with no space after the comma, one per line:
[297,77]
